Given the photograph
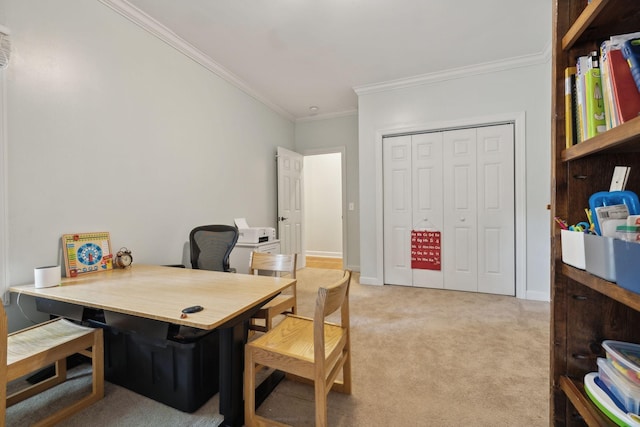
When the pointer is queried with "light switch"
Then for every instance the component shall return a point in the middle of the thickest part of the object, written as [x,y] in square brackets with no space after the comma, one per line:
[351,206]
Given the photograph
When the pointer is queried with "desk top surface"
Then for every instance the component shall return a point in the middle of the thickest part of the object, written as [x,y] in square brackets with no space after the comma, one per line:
[160,293]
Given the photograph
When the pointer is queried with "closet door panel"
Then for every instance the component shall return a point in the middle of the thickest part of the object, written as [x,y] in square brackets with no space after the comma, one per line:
[459,237]
[427,195]
[397,220]
[496,210]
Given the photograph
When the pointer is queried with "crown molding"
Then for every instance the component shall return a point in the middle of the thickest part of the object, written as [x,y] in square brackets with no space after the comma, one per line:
[327,116]
[163,33]
[458,73]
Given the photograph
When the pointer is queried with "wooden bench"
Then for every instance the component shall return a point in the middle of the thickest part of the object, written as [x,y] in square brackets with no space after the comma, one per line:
[39,346]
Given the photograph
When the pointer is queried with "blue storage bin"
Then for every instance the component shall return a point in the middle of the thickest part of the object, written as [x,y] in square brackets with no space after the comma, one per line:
[627,261]
[611,198]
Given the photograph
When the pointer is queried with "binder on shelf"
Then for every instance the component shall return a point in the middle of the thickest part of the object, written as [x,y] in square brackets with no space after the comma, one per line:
[625,94]
[609,108]
[631,52]
[570,106]
[582,65]
[594,98]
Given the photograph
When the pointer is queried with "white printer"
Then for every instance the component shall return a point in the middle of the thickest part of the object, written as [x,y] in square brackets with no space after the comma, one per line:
[248,234]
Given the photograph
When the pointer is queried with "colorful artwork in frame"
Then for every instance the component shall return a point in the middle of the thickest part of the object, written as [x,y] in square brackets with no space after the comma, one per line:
[87,253]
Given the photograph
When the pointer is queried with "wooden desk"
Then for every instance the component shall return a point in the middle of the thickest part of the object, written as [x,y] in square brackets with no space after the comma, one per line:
[160,293]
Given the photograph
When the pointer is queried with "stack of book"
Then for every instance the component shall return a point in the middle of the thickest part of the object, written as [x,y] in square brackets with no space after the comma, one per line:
[603,90]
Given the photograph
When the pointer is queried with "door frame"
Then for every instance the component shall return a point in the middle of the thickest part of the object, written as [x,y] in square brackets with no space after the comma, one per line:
[518,120]
[4,195]
[343,166]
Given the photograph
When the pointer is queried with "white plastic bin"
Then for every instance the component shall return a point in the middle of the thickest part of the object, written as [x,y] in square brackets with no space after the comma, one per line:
[573,248]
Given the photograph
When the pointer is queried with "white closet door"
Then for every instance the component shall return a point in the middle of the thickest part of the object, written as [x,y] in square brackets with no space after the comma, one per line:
[459,182]
[459,236]
[397,210]
[496,211]
[427,196]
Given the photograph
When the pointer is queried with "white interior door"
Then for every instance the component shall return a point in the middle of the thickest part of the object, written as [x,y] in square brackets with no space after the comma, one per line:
[427,196]
[496,210]
[397,195]
[290,203]
[459,235]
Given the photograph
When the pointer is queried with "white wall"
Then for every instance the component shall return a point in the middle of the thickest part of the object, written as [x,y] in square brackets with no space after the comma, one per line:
[323,135]
[110,129]
[323,205]
[465,98]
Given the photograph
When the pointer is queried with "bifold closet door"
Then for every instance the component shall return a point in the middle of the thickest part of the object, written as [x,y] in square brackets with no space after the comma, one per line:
[397,189]
[459,235]
[461,183]
[426,156]
[412,170]
[496,210]
[479,227]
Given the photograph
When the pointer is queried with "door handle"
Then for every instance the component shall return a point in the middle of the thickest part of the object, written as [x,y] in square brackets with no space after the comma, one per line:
[281,218]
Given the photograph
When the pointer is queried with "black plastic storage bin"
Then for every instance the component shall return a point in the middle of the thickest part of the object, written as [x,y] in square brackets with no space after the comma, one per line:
[183,375]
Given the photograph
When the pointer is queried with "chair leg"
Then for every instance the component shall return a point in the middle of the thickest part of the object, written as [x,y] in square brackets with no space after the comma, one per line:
[321,402]
[346,374]
[268,322]
[97,364]
[97,392]
[249,388]
[3,397]
[59,377]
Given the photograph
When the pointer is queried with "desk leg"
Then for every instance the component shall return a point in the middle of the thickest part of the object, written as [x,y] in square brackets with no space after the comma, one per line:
[232,341]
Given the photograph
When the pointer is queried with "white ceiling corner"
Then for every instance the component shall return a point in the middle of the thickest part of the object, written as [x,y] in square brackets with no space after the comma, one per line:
[290,55]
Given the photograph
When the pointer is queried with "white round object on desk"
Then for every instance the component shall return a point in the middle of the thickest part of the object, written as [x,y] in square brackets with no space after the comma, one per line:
[46,277]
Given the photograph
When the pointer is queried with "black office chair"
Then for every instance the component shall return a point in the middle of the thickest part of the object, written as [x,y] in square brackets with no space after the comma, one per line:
[211,245]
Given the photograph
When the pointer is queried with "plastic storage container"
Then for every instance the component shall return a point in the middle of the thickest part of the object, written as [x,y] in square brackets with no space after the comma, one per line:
[183,375]
[573,248]
[627,257]
[627,392]
[625,357]
[599,256]
[630,233]
[610,198]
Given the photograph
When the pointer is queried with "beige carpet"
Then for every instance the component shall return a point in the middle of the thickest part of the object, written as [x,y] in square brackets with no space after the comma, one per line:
[421,357]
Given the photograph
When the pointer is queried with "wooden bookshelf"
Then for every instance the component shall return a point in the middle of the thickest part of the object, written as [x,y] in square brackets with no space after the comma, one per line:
[585,309]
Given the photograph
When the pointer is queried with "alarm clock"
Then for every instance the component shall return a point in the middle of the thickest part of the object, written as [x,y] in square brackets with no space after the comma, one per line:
[123,258]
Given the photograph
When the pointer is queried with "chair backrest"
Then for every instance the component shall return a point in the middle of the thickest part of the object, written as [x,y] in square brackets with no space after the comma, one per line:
[273,264]
[211,245]
[328,301]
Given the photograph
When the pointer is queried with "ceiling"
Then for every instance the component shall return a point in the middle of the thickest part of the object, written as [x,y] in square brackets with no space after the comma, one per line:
[302,53]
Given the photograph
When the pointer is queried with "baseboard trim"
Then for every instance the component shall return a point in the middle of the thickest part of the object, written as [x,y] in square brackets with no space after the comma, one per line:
[538,296]
[370,281]
[324,254]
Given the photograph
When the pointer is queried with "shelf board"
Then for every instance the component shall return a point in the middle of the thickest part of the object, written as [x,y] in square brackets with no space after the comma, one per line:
[623,138]
[601,19]
[588,15]
[587,409]
[605,287]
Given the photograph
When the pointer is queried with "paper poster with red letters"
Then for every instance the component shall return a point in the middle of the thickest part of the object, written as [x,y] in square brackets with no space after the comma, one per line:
[425,250]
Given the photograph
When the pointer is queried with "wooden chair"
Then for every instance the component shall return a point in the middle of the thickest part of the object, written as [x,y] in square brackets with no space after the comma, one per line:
[39,346]
[286,302]
[307,349]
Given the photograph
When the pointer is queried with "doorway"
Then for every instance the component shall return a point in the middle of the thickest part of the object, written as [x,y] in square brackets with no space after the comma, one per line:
[323,210]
